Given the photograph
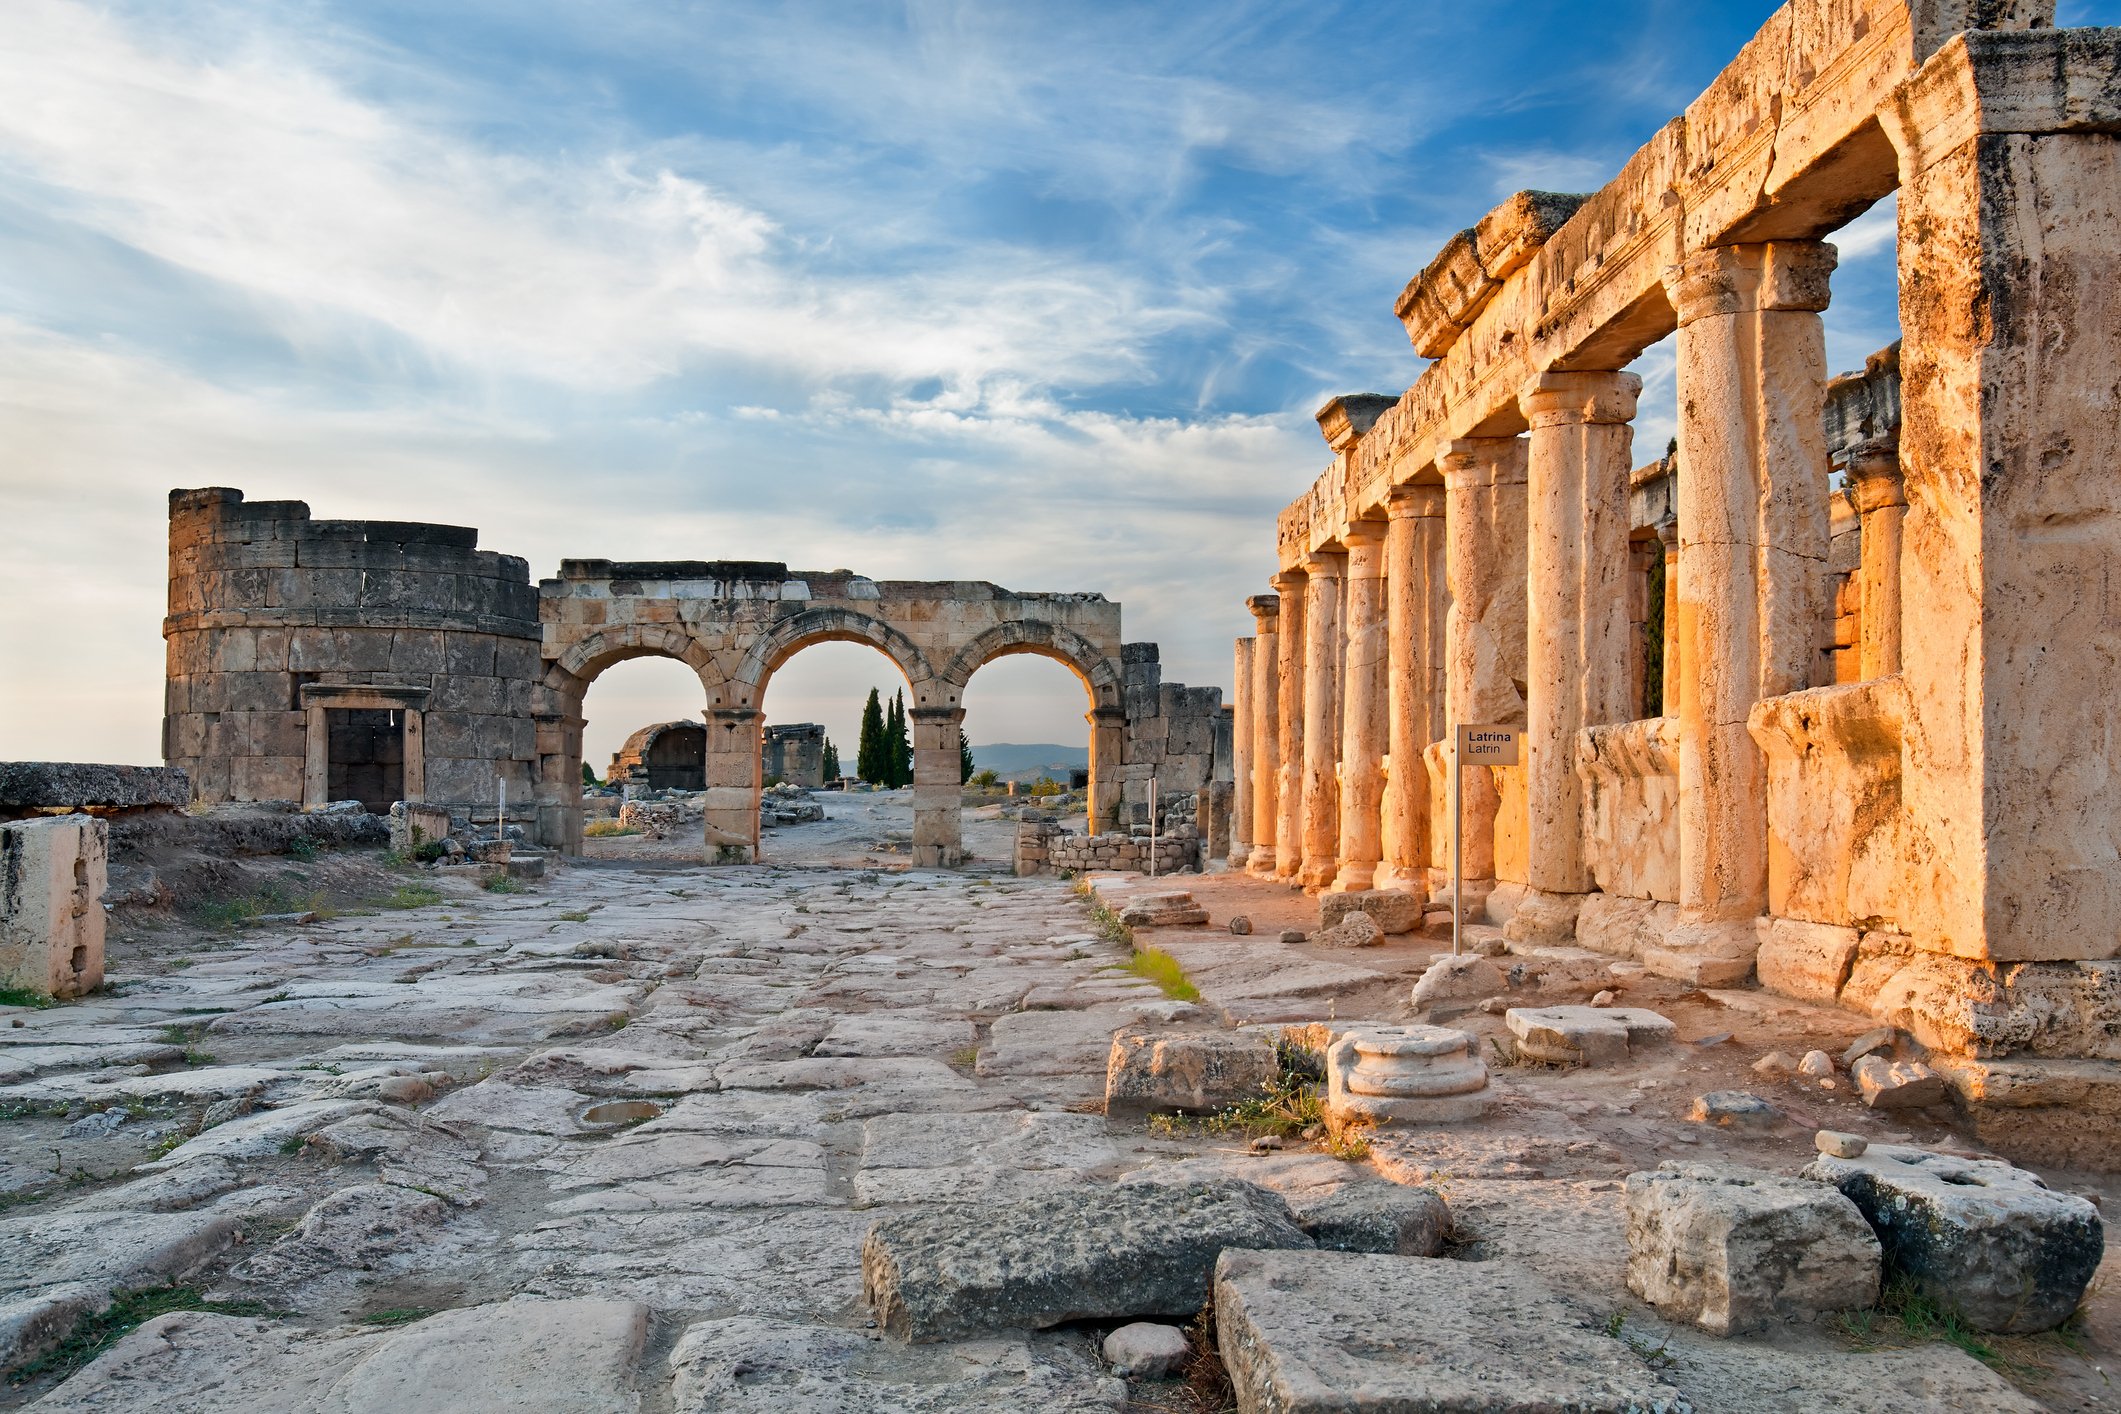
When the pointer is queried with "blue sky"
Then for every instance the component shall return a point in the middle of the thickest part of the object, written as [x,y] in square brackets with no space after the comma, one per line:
[1038,293]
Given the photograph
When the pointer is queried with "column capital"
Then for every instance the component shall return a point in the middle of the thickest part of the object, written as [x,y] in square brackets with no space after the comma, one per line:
[1874,473]
[1363,534]
[1741,279]
[1415,502]
[1325,564]
[1468,463]
[1288,581]
[731,715]
[1558,399]
[1106,717]
[1266,611]
[947,716]
[1668,534]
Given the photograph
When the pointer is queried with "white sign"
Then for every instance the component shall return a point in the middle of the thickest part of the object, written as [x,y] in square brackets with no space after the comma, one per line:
[1489,746]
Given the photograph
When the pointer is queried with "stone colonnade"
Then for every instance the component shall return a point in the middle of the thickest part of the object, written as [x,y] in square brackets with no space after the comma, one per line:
[1869,752]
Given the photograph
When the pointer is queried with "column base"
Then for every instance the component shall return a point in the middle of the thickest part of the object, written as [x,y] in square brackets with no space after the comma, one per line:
[1353,878]
[1238,857]
[1706,952]
[1544,919]
[1261,863]
[1316,874]
[1401,879]
[933,856]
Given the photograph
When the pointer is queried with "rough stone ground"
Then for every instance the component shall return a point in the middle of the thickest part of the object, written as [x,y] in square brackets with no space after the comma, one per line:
[612,1143]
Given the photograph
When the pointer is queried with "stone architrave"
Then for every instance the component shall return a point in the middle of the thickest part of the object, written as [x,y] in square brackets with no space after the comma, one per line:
[1413,545]
[1319,803]
[1752,554]
[1241,753]
[1405,1074]
[1292,587]
[1578,630]
[1266,732]
[52,872]
[1364,710]
[2008,169]
[1484,526]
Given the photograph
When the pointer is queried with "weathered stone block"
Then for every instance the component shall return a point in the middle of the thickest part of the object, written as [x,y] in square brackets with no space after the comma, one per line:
[1464,978]
[52,873]
[1808,961]
[1174,908]
[34,784]
[1376,1217]
[1330,1332]
[1393,910]
[1897,1085]
[1191,1072]
[1355,930]
[1737,1249]
[1978,1234]
[1092,1252]
[1582,1035]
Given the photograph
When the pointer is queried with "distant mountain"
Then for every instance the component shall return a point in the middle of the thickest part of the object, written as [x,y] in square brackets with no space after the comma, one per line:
[1014,761]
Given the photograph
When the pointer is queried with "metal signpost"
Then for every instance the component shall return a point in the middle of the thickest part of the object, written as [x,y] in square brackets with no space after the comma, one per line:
[1483,746]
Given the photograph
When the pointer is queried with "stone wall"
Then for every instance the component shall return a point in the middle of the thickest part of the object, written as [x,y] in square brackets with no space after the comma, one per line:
[276,621]
[1172,732]
[1047,849]
[795,753]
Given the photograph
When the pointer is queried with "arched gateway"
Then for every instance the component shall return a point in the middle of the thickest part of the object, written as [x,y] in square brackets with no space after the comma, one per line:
[735,622]
[319,660]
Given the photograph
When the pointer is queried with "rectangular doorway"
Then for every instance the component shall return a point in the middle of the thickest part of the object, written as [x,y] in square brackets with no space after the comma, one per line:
[367,756]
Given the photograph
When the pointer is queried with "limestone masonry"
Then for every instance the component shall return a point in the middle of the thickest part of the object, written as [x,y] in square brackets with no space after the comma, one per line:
[1830,693]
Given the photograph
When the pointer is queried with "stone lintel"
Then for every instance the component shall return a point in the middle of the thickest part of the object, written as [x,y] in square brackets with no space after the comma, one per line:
[1988,82]
[1346,418]
[1440,303]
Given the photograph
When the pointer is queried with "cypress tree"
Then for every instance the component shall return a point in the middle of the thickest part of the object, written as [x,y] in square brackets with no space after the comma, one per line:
[964,757]
[872,759]
[901,743]
[832,760]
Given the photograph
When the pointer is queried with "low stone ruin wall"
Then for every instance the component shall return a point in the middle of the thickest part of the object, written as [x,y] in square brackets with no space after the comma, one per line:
[1047,849]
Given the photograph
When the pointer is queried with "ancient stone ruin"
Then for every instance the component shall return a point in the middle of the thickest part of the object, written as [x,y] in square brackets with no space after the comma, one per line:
[1863,771]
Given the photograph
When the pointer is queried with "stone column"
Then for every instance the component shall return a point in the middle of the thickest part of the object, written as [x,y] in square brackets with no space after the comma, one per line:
[1289,692]
[1578,461]
[1881,502]
[1324,579]
[1414,651]
[1668,537]
[732,800]
[2008,268]
[1241,753]
[1484,650]
[1364,710]
[1108,746]
[1752,561]
[1266,731]
[938,788]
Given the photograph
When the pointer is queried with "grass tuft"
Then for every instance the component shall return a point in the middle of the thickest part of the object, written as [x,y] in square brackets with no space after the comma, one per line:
[128,1310]
[412,896]
[23,996]
[398,1315]
[607,829]
[1164,970]
[500,882]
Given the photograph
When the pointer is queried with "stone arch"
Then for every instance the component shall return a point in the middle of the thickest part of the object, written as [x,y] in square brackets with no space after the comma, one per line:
[791,635]
[1099,676]
[1098,673]
[558,713]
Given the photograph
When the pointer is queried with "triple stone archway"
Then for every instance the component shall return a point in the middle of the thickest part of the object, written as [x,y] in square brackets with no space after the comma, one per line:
[735,622]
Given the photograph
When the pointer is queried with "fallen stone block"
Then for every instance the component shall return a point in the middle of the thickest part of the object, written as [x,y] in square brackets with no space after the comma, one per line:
[1172,909]
[1877,1039]
[1357,930]
[1394,910]
[1840,1145]
[1088,1252]
[1376,1217]
[1330,1332]
[1240,926]
[1465,978]
[1144,1350]
[1980,1235]
[1737,1249]
[1734,1109]
[1897,1085]
[1405,1074]
[1187,1072]
[1582,1035]
[52,873]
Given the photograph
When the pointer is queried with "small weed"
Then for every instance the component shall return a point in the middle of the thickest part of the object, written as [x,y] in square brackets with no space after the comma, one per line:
[412,896]
[302,847]
[607,829]
[397,1316]
[181,1034]
[1164,970]
[275,997]
[294,1144]
[579,915]
[1906,1313]
[319,1065]
[500,882]
[195,1056]
[1654,1356]
[965,1057]
[128,1309]
[23,996]
[1350,1143]
[168,1143]
[179,964]
[1285,1106]
[617,1020]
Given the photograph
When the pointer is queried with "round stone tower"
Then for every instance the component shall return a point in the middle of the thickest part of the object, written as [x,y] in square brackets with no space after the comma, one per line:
[321,660]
